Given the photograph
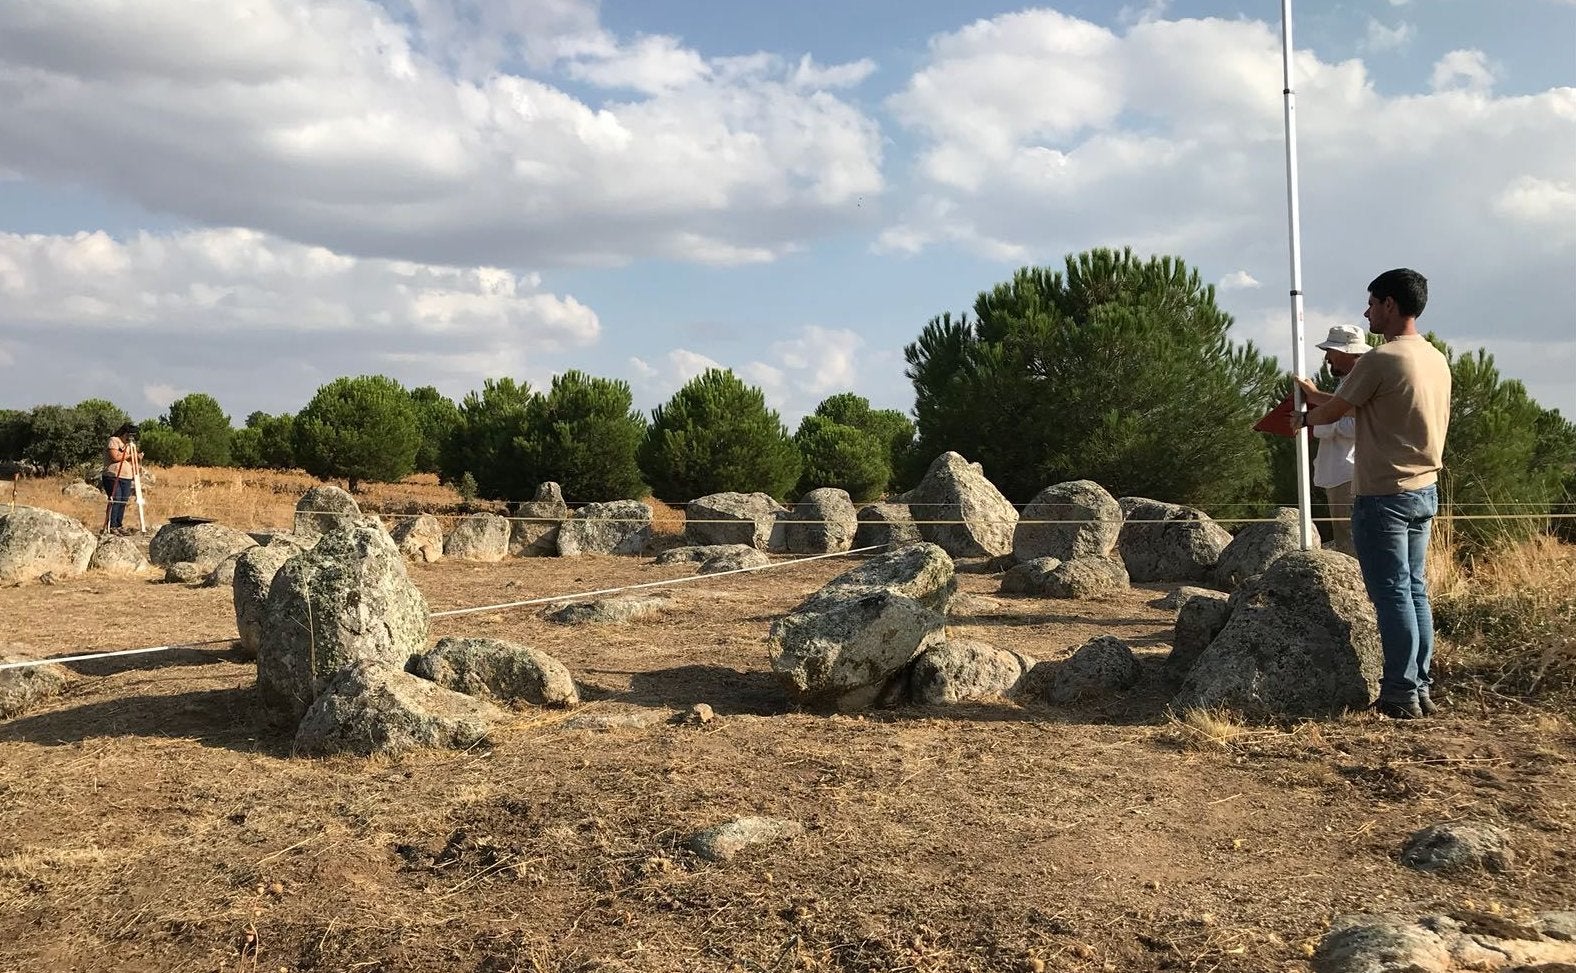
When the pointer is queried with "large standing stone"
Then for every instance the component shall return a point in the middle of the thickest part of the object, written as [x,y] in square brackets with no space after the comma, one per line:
[204,544]
[373,710]
[1102,666]
[822,522]
[888,525]
[1068,520]
[498,671]
[1301,641]
[25,687]
[619,527]
[1257,546]
[117,555]
[1168,542]
[963,670]
[846,645]
[35,542]
[1199,621]
[254,573]
[347,600]
[732,518]
[324,508]
[534,526]
[961,511]
[479,537]
[419,539]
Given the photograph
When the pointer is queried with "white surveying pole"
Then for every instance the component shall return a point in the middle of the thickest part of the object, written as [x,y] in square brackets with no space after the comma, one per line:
[1298,358]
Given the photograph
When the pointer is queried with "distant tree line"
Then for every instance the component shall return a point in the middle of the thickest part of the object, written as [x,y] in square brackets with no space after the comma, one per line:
[1112,368]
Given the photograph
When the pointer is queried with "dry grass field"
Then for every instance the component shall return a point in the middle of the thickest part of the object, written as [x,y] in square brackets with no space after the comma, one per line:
[153,819]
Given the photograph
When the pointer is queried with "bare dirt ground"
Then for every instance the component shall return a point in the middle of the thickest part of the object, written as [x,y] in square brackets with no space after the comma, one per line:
[152,820]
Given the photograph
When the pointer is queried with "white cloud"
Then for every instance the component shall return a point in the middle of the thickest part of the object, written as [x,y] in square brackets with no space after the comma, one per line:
[160,396]
[794,374]
[1180,150]
[334,122]
[1541,206]
[808,74]
[1464,71]
[1382,38]
[227,311]
[1239,280]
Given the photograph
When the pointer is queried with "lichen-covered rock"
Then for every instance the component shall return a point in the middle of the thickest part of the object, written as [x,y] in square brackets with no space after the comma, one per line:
[1460,941]
[961,511]
[619,527]
[1030,577]
[890,525]
[204,544]
[223,573]
[1301,640]
[347,600]
[1199,621]
[419,539]
[324,508]
[1084,577]
[963,670]
[700,553]
[604,611]
[478,537]
[25,687]
[185,572]
[1458,846]
[117,556]
[35,542]
[1102,666]
[822,522]
[1067,521]
[535,524]
[732,518]
[1177,597]
[254,572]
[1168,542]
[847,645]
[369,709]
[721,842]
[498,671]
[1257,546]
[736,558]
[77,490]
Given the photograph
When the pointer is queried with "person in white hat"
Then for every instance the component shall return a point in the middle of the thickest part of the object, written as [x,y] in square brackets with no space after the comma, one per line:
[1334,463]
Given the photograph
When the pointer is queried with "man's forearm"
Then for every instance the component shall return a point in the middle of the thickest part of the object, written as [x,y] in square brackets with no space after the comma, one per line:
[1328,412]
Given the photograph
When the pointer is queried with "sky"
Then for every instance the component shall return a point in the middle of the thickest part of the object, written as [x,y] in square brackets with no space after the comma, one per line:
[252,198]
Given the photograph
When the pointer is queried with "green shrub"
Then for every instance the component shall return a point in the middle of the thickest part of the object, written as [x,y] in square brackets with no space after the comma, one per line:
[716,435]
[836,455]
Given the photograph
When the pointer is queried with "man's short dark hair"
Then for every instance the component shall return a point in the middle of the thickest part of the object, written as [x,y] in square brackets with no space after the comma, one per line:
[1408,287]
[127,431]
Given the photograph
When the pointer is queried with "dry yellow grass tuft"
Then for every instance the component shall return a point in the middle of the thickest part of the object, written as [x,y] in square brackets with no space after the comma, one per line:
[1207,729]
[1509,615]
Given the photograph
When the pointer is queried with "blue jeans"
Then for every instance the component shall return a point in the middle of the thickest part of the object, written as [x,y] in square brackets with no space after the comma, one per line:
[119,490]
[1390,534]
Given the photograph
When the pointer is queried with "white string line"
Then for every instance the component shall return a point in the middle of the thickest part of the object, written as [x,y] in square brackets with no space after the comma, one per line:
[648,584]
[455,612]
[971,520]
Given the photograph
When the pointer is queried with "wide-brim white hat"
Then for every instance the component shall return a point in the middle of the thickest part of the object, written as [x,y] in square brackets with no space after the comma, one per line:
[1347,338]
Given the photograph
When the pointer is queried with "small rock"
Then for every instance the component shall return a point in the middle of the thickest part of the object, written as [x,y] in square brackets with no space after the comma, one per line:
[698,715]
[609,610]
[721,842]
[1458,846]
[185,572]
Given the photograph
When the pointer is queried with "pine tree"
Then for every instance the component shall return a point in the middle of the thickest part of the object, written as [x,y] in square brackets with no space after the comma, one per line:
[716,435]
[1114,369]
[360,428]
[837,455]
[199,418]
[584,434]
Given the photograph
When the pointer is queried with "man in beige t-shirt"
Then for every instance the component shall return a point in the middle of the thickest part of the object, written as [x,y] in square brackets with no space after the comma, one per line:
[1400,393]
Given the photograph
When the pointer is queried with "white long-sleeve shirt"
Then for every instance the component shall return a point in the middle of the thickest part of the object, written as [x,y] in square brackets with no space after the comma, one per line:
[1334,463]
